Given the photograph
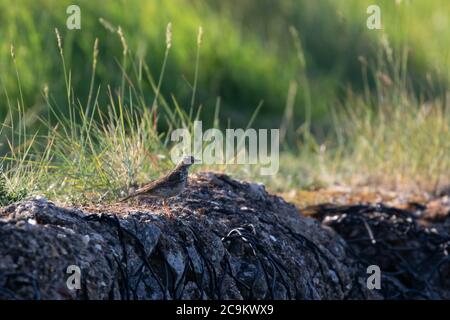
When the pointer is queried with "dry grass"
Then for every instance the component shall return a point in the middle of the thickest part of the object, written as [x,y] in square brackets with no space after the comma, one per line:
[389,137]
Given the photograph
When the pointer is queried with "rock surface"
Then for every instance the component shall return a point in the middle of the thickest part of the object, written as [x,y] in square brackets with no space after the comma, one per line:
[411,247]
[228,240]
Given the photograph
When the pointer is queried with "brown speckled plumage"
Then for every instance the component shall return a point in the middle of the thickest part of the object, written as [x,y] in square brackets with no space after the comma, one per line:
[167,186]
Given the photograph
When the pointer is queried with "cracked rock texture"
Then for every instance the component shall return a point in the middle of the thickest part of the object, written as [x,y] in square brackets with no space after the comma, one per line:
[228,240]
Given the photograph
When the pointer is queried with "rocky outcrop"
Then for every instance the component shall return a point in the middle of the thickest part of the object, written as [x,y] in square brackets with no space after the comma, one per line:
[410,247]
[228,240]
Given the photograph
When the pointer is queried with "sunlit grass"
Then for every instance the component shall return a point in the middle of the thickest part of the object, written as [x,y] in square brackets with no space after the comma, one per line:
[390,137]
[94,151]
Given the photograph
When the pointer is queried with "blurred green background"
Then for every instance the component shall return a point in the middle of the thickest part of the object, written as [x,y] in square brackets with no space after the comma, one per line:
[248,53]
[354,106]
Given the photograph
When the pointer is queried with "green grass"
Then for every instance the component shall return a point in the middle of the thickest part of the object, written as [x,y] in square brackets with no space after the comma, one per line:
[87,119]
[7,196]
[247,54]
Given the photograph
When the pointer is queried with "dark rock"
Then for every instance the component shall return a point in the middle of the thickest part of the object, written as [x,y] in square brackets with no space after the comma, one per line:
[410,250]
[229,240]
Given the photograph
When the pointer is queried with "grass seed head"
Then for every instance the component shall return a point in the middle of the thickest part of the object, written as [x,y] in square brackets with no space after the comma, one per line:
[169,35]
[122,40]
[95,53]
[58,38]
[13,53]
[199,35]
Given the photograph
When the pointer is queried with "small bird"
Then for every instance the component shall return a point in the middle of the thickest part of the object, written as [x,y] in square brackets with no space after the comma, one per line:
[167,186]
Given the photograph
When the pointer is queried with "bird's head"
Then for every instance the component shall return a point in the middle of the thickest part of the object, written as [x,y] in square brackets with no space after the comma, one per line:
[187,161]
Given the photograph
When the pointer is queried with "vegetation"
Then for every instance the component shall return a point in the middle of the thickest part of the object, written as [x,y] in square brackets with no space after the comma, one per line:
[8,197]
[87,113]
